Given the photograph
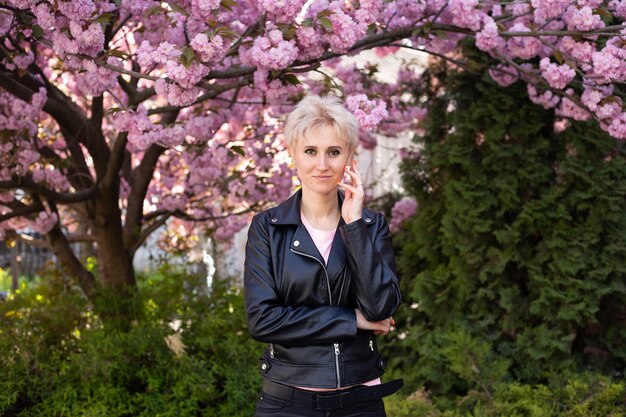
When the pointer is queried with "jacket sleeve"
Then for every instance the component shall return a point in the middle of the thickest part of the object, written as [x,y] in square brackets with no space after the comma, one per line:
[272,322]
[373,268]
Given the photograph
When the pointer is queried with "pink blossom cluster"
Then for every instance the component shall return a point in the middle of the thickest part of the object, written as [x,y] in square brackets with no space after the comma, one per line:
[608,63]
[346,30]
[6,19]
[489,37]
[226,228]
[581,52]
[571,110]
[204,8]
[619,8]
[557,76]
[403,209]
[142,133]
[89,41]
[211,50]
[310,42]
[504,75]
[275,91]
[465,14]
[617,126]
[19,116]
[186,76]
[548,9]
[272,51]
[369,11]
[18,61]
[94,80]
[202,128]
[582,19]
[403,13]
[44,222]
[51,176]
[148,56]
[524,47]
[281,11]
[175,94]
[368,112]
[601,102]
[547,99]
[168,137]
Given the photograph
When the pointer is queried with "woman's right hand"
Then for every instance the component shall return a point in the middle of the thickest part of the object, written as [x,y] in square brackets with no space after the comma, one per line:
[378,327]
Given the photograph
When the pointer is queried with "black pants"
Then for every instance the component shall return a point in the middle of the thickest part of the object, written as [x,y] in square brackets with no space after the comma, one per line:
[268,406]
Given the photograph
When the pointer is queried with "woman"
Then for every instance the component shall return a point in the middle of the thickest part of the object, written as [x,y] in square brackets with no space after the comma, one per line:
[320,278]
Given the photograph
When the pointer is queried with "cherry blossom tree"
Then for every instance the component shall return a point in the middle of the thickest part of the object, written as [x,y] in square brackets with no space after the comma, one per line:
[118,117]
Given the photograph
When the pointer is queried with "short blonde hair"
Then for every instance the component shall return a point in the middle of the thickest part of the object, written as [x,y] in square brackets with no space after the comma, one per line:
[313,111]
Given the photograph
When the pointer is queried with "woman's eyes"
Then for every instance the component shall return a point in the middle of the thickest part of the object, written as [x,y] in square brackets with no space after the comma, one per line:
[313,152]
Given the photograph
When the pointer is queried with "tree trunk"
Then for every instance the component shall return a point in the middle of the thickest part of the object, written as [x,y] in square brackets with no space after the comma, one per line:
[114,260]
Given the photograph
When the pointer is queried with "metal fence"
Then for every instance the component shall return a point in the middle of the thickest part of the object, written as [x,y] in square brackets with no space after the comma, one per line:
[26,259]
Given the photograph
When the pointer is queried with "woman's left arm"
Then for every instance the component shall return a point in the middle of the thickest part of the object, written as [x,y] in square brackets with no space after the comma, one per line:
[373,267]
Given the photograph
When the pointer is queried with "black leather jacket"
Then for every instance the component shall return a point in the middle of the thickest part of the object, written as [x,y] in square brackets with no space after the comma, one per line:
[304,308]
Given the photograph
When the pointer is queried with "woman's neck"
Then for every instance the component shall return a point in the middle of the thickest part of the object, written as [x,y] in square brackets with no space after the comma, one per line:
[320,210]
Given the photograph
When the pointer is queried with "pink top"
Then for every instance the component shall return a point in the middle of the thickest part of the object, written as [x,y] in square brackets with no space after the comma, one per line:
[323,240]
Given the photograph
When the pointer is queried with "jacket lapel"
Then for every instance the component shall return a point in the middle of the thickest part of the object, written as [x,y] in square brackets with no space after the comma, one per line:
[288,213]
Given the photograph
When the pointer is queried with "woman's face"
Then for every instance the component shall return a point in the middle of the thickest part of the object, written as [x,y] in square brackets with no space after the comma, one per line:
[320,159]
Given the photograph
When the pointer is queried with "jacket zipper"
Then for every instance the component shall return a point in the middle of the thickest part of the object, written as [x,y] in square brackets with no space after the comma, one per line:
[330,297]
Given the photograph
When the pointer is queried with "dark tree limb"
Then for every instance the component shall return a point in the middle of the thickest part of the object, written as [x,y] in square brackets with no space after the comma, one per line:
[147,231]
[28,184]
[141,178]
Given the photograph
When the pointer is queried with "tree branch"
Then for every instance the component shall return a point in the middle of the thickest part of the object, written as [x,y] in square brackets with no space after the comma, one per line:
[23,211]
[207,96]
[66,113]
[28,184]
[60,246]
[116,160]
[145,233]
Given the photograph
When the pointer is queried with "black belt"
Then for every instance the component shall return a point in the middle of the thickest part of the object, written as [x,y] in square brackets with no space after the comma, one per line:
[331,400]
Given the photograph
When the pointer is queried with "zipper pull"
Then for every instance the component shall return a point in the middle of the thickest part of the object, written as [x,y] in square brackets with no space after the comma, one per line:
[336,348]
[371,345]
[272,350]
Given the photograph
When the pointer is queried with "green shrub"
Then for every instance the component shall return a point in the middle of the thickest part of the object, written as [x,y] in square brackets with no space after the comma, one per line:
[518,241]
[569,395]
[186,354]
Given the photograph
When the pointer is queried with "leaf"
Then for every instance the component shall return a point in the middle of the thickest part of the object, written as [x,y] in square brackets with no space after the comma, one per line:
[307,22]
[228,4]
[225,32]
[441,34]
[290,33]
[153,10]
[188,56]
[275,74]
[603,12]
[238,149]
[324,13]
[324,21]
[37,31]
[558,55]
[291,79]
[178,8]
[105,18]
[117,53]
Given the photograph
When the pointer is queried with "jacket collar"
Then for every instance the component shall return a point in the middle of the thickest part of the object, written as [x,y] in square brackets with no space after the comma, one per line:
[288,212]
